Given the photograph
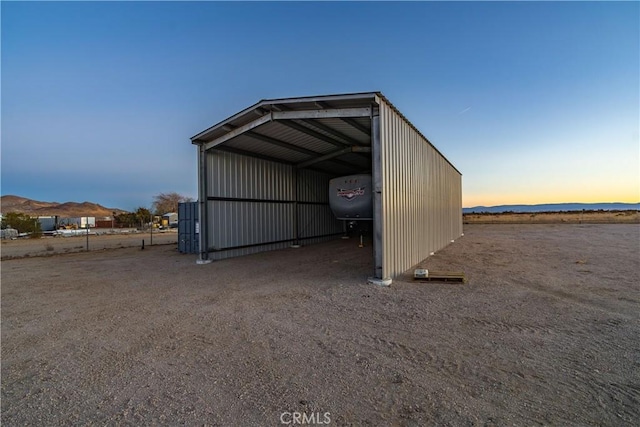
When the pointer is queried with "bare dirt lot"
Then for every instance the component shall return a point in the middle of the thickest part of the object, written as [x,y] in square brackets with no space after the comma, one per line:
[546,331]
[569,217]
[46,246]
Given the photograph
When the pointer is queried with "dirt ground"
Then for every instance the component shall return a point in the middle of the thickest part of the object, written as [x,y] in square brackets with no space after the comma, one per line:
[545,332]
[570,217]
[46,246]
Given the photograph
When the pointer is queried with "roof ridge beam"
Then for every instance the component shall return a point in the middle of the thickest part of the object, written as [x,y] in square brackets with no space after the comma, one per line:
[322,113]
[319,98]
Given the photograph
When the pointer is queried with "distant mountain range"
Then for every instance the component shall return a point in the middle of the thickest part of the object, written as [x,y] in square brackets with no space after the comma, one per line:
[68,209]
[554,207]
[19,204]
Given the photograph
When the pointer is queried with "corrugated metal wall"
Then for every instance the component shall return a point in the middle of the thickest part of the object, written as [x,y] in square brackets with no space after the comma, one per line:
[421,196]
[188,227]
[315,217]
[251,205]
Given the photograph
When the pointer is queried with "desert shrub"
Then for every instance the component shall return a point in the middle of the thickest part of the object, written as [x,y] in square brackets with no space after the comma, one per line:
[23,223]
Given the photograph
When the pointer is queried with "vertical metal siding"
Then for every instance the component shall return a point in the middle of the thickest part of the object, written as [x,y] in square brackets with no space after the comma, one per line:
[314,214]
[233,175]
[313,186]
[266,221]
[421,196]
[187,219]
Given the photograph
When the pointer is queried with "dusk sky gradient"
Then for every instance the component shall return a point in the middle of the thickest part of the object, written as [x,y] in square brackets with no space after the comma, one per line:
[532,102]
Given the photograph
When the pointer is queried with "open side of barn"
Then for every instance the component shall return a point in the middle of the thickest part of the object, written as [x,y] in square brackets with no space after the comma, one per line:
[263,180]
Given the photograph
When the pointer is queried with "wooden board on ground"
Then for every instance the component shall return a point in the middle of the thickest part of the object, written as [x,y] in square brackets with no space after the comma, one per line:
[423,275]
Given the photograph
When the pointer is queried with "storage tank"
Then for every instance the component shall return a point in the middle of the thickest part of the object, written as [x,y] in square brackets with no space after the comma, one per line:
[351,197]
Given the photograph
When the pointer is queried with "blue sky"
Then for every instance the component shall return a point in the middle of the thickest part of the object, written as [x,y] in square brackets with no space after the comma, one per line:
[533,102]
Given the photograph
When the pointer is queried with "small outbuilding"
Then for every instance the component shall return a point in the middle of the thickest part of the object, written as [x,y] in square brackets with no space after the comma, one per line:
[263,180]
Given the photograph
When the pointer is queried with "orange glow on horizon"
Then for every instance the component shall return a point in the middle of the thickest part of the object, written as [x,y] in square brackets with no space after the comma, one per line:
[499,200]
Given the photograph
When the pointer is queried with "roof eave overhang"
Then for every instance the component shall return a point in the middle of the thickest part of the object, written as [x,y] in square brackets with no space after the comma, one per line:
[265,106]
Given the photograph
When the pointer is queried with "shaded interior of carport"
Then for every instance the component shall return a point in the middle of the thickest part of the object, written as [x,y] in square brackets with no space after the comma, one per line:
[267,168]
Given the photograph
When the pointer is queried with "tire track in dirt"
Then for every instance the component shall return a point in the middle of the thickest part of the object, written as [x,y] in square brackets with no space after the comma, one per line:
[614,401]
[502,327]
[576,299]
[425,358]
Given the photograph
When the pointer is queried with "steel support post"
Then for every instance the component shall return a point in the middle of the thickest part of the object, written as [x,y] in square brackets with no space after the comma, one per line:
[203,235]
[376,168]
[296,231]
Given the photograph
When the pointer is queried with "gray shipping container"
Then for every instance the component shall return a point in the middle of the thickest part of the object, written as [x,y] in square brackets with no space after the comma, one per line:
[188,227]
[48,223]
[263,179]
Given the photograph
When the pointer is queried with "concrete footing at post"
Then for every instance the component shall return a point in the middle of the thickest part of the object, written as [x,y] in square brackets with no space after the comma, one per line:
[379,282]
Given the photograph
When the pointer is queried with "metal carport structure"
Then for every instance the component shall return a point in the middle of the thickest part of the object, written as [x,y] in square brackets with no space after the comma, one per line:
[263,179]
